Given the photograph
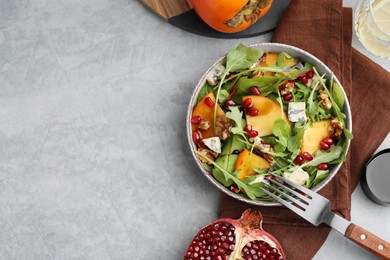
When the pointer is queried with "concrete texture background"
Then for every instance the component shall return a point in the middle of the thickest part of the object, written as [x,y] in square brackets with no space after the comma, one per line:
[94,162]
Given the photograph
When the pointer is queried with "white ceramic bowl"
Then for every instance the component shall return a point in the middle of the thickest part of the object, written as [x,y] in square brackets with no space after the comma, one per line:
[267,47]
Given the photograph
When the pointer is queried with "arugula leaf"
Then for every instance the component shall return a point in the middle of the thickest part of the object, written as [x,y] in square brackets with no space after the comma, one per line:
[227,159]
[294,143]
[320,176]
[251,192]
[282,130]
[282,57]
[237,116]
[206,89]
[224,94]
[312,103]
[324,156]
[338,95]
[244,83]
[242,57]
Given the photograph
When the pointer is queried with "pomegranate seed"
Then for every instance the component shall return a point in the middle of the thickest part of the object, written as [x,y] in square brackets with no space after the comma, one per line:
[307,156]
[234,188]
[230,103]
[253,133]
[287,97]
[290,83]
[209,102]
[196,119]
[247,103]
[310,74]
[298,160]
[324,145]
[255,91]
[197,136]
[323,166]
[328,141]
[247,128]
[252,111]
[281,87]
[303,79]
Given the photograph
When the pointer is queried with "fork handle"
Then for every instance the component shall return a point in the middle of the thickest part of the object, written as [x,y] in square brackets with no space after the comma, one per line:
[369,241]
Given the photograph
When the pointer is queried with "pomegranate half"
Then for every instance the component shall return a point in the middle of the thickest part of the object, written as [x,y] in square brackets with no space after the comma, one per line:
[233,239]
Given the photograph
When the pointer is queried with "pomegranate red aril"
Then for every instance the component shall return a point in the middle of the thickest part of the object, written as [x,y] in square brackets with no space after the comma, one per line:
[196,136]
[247,103]
[298,160]
[323,166]
[209,102]
[253,133]
[287,96]
[255,90]
[252,111]
[234,188]
[242,239]
[230,103]
[307,156]
[303,79]
[196,119]
[247,128]
[324,145]
[310,74]
[328,141]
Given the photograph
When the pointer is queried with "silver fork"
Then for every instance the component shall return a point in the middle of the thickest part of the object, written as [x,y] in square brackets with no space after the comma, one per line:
[316,209]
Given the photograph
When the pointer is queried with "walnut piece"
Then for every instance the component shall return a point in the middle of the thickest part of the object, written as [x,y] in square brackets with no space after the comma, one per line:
[264,148]
[286,88]
[204,124]
[324,99]
[223,127]
[206,153]
[336,128]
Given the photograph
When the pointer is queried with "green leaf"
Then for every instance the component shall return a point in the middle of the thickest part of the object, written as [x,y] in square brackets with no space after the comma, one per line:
[282,130]
[320,176]
[338,95]
[242,57]
[282,57]
[251,192]
[312,102]
[236,115]
[227,159]
[223,96]
[206,89]
[244,83]
[295,142]
[325,156]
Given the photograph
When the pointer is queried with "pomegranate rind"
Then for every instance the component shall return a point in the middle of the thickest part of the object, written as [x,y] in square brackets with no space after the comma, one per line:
[245,230]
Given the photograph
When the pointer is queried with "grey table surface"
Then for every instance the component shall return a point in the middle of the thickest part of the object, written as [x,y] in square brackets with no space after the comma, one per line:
[94,162]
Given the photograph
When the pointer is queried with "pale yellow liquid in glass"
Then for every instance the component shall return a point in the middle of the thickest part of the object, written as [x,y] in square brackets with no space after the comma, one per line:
[372,25]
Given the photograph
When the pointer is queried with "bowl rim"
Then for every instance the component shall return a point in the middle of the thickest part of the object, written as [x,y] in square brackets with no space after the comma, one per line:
[278,46]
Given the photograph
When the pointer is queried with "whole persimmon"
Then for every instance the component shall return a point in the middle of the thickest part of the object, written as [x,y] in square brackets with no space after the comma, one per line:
[230,16]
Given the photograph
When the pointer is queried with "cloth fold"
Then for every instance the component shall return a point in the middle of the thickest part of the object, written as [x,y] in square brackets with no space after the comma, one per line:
[326,32]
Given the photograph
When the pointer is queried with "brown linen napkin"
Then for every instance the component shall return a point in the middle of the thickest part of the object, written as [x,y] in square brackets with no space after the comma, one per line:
[324,28]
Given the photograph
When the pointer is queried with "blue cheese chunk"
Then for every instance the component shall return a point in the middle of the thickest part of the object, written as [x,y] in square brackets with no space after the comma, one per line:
[298,175]
[214,75]
[296,111]
[214,143]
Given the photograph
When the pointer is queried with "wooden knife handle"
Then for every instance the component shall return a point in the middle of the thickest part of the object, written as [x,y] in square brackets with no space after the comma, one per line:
[369,241]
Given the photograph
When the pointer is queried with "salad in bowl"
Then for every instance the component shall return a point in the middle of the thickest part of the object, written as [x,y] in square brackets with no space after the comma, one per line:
[268,108]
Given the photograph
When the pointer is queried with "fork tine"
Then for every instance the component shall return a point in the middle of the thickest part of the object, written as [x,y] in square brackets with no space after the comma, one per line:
[294,200]
[296,186]
[298,195]
[281,201]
